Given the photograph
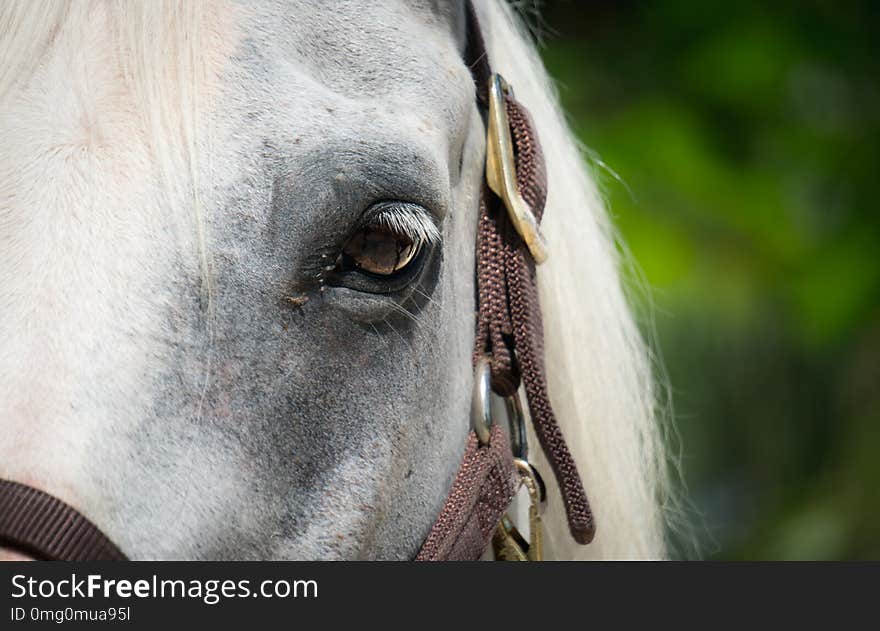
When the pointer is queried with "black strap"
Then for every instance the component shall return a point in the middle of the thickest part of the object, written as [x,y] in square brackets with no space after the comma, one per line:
[475,55]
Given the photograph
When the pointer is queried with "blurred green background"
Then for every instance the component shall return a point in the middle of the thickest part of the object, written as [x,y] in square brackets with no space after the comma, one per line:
[738,145]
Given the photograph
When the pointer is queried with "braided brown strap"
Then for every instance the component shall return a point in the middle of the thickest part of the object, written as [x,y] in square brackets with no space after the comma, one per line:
[509,327]
[482,490]
[509,332]
[44,527]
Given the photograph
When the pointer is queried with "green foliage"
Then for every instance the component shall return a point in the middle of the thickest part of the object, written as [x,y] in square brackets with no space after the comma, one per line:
[742,145]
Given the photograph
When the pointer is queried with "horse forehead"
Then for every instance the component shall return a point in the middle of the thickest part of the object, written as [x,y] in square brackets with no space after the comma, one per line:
[379,52]
[314,92]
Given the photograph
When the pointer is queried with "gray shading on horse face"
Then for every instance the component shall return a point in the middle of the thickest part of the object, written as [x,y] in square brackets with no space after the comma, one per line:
[329,425]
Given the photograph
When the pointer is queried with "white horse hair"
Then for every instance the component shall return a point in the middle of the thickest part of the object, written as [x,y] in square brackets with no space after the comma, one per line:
[604,398]
[162,77]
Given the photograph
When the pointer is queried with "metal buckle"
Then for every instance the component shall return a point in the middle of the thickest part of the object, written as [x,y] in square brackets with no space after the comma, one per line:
[501,171]
[507,542]
[482,421]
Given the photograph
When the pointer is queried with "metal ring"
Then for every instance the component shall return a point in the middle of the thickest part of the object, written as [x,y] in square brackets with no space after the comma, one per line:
[518,441]
[536,483]
[481,411]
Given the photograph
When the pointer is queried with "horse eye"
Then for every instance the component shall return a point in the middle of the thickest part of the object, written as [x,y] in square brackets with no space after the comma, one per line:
[388,250]
[378,250]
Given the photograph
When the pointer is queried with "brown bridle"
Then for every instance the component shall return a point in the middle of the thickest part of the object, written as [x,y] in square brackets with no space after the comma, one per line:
[509,346]
[45,528]
[508,352]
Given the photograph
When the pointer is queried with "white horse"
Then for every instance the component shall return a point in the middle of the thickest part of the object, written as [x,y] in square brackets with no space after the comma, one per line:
[182,358]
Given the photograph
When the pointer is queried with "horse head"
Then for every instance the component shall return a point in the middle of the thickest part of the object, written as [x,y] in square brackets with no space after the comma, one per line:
[237,293]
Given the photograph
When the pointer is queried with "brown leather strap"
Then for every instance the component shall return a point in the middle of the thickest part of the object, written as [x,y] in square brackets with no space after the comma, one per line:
[482,490]
[42,526]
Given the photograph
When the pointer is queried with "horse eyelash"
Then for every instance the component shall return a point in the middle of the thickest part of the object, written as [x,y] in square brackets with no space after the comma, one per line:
[408,220]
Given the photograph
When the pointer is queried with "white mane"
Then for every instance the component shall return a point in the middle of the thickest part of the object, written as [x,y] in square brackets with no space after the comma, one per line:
[599,369]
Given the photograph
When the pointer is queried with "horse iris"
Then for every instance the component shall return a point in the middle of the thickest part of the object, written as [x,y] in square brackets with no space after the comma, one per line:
[379,250]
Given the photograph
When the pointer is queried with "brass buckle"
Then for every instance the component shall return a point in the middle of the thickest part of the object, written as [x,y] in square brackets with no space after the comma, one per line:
[501,171]
[508,544]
